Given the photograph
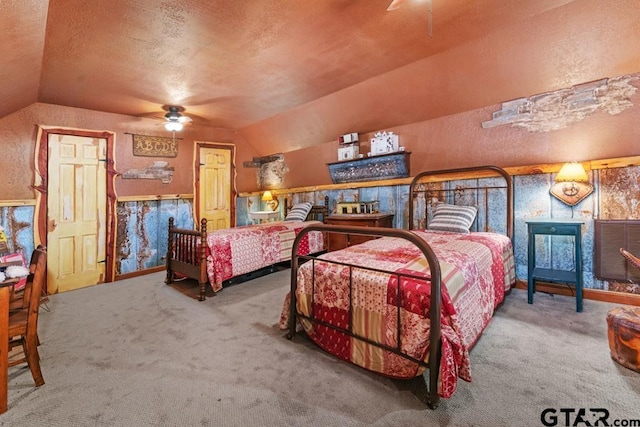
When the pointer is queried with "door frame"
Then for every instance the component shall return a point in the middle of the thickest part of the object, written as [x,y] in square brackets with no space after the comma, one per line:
[196,178]
[41,183]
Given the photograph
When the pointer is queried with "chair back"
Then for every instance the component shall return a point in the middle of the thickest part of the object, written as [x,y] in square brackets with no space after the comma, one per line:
[35,281]
[633,260]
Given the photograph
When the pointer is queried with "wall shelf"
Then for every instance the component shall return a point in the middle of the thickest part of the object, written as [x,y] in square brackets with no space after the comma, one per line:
[373,168]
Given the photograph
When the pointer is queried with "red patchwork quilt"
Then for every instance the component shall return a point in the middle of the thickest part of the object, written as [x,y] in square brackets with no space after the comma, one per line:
[240,250]
[476,268]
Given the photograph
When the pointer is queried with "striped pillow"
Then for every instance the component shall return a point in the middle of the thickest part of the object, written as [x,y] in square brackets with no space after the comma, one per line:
[299,212]
[457,219]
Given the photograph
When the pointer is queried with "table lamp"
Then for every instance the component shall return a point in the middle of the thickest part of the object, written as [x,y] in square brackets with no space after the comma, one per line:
[270,200]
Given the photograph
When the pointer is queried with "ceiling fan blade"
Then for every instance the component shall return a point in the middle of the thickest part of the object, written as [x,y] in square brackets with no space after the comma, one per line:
[395,4]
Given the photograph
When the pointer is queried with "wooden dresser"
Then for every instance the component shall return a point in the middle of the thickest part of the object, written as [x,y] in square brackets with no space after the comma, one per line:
[338,241]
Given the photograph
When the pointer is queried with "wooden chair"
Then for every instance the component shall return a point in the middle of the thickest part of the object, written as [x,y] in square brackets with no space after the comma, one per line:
[20,299]
[23,323]
[633,260]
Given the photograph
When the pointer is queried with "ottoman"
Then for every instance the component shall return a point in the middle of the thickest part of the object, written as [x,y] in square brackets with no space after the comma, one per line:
[623,330]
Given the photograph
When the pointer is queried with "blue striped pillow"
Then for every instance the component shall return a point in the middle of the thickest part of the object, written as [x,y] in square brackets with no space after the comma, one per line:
[299,212]
[457,219]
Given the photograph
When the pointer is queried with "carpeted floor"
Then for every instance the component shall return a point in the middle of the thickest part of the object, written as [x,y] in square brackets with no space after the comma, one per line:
[140,353]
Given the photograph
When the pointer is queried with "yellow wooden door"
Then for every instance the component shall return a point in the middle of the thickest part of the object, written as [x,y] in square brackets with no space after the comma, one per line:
[76,212]
[215,187]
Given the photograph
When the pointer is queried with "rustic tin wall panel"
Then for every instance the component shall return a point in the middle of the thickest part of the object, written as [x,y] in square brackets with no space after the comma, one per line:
[182,212]
[619,193]
[401,218]
[126,243]
[17,222]
[141,242]
[242,211]
[494,205]
[148,237]
[531,200]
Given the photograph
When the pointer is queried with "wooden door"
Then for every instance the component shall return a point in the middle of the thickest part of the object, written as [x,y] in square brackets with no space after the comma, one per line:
[215,187]
[76,212]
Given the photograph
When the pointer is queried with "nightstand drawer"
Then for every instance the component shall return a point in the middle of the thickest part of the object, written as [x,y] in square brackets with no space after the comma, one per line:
[553,229]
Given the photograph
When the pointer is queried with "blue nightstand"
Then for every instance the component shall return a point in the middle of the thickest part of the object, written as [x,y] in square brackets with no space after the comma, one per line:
[555,227]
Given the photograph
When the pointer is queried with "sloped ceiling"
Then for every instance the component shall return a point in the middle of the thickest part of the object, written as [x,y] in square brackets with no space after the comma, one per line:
[251,66]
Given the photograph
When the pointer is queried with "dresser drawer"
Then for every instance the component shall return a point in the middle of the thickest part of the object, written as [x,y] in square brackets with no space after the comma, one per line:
[336,241]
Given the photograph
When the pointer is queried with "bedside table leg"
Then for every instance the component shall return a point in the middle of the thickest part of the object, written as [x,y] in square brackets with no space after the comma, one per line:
[531,264]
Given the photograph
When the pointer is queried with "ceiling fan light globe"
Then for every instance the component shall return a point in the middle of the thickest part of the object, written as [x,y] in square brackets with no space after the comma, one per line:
[173,126]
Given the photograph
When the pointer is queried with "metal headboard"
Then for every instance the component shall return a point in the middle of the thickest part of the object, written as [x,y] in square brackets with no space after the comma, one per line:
[439,186]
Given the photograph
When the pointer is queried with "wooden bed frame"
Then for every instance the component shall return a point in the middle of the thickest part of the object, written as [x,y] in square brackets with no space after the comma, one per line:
[186,256]
[419,185]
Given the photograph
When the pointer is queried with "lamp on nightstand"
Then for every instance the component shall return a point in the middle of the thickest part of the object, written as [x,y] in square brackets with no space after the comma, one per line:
[572,184]
[270,200]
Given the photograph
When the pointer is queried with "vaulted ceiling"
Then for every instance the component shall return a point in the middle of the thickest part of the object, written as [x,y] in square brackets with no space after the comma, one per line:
[236,64]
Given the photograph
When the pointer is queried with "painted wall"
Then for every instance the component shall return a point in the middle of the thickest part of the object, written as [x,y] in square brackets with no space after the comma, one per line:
[578,42]
[459,141]
[18,136]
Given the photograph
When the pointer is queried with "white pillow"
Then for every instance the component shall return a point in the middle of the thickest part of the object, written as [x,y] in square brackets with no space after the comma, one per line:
[453,218]
[299,212]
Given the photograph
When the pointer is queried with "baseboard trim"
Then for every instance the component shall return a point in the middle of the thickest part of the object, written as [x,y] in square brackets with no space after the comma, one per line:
[140,272]
[592,294]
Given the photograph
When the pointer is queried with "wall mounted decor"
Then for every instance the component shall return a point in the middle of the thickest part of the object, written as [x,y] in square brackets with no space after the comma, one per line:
[154,146]
[558,109]
[374,168]
[271,174]
[256,162]
[159,170]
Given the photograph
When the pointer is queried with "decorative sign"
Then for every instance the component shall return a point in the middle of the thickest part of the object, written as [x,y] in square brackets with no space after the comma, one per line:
[154,146]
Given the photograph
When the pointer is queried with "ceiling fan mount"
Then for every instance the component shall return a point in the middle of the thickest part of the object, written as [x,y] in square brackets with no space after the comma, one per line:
[175,120]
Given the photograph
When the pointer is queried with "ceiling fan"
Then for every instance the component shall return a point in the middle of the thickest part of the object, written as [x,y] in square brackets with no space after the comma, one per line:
[397,4]
[174,119]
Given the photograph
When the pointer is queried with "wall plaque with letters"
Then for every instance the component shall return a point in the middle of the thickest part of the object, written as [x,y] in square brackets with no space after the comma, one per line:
[154,146]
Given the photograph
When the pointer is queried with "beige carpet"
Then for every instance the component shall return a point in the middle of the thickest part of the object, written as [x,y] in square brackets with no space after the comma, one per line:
[140,353]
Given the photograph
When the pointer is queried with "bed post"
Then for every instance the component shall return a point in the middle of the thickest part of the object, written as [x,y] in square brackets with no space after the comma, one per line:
[169,279]
[203,259]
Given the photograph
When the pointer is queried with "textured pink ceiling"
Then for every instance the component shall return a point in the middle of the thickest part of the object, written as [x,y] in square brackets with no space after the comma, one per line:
[244,65]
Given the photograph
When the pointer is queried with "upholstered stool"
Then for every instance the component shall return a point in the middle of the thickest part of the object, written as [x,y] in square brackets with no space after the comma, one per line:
[624,336]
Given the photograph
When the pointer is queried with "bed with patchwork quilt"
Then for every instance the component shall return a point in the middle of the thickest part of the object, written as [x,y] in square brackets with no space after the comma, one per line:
[233,252]
[412,302]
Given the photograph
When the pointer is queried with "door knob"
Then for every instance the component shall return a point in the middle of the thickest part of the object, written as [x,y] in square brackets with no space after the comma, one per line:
[52,225]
